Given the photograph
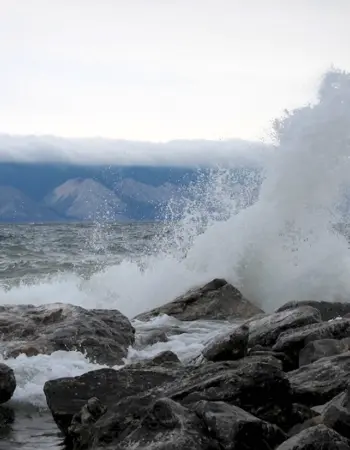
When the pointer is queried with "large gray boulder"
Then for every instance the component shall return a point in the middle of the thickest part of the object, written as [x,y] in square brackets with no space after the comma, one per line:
[235,428]
[328,310]
[317,383]
[7,383]
[229,346]
[103,335]
[293,341]
[266,330]
[217,300]
[323,348]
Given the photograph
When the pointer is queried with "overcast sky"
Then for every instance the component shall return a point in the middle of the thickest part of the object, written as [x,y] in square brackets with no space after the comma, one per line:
[161,69]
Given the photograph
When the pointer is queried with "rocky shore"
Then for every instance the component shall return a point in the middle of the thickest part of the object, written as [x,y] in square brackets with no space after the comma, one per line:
[275,381]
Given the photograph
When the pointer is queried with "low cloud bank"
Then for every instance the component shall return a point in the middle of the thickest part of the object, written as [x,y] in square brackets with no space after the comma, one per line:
[121,152]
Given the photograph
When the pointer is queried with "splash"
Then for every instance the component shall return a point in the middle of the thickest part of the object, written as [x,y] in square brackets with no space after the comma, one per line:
[270,230]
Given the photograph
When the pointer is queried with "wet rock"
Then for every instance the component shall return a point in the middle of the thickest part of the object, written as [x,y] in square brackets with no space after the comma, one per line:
[286,363]
[229,346]
[316,438]
[166,358]
[328,310]
[320,381]
[337,418]
[299,427]
[266,330]
[7,416]
[104,335]
[339,400]
[67,396]
[234,428]
[255,385]
[322,348]
[150,338]
[81,428]
[291,342]
[167,426]
[7,383]
[217,300]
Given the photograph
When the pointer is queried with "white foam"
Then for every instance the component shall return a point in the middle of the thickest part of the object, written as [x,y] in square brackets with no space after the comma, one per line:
[32,373]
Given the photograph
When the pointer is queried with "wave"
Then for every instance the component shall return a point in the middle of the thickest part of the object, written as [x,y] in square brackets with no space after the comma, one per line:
[272,235]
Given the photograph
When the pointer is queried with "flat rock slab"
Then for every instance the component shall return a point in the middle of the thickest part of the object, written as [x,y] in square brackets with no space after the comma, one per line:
[316,438]
[217,300]
[323,348]
[293,341]
[103,335]
[266,330]
[234,428]
[317,383]
[328,310]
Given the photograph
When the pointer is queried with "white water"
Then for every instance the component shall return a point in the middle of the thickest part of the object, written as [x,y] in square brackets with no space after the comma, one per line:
[282,248]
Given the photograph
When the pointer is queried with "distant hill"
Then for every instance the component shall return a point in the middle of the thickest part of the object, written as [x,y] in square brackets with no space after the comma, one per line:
[38,192]
[57,192]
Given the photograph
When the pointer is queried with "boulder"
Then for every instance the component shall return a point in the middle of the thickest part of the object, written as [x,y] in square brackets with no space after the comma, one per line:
[286,363]
[229,346]
[322,348]
[167,426]
[337,418]
[166,358]
[217,300]
[320,381]
[316,438]
[7,383]
[266,330]
[104,335]
[67,396]
[292,341]
[254,384]
[328,310]
[234,428]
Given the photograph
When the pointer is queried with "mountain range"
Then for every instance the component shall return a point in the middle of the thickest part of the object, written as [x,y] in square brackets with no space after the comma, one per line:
[52,192]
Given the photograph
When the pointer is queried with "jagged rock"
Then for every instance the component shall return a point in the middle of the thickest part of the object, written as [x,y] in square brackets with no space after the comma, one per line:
[286,363]
[7,383]
[337,418]
[234,428]
[339,400]
[328,310]
[66,396]
[316,438]
[166,358]
[254,384]
[229,346]
[266,330]
[167,426]
[217,300]
[320,381]
[104,335]
[81,425]
[292,341]
[322,348]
